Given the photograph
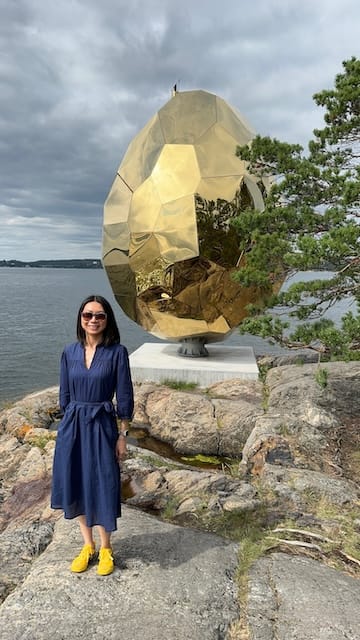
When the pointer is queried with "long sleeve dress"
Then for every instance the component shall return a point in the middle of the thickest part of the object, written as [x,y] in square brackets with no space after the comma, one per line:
[86,474]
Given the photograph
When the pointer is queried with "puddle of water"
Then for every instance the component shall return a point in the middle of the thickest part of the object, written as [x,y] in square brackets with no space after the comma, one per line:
[140,437]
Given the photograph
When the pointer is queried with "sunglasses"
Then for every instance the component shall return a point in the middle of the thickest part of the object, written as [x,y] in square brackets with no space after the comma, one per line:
[87,315]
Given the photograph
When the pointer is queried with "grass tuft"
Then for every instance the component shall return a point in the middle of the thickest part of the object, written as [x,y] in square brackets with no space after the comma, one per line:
[179,385]
[321,377]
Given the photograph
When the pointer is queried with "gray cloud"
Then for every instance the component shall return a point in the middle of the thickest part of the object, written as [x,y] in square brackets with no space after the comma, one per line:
[79,79]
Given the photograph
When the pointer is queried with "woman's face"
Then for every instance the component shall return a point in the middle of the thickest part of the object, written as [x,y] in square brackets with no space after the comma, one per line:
[93,319]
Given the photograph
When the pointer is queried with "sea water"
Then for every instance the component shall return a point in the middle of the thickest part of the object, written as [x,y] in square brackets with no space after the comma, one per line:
[38,317]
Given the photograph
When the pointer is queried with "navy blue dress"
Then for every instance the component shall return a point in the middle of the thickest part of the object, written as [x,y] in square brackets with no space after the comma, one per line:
[86,474]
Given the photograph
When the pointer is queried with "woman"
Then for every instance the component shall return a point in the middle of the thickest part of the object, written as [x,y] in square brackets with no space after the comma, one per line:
[86,472]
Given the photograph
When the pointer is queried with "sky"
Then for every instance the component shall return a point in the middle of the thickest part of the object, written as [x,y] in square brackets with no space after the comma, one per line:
[79,79]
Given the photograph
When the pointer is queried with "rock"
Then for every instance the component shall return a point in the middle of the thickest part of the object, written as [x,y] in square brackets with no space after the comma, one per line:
[12,454]
[32,467]
[297,358]
[26,502]
[245,390]
[298,454]
[266,447]
[154,481]
[294,483]
[141,394]
[35,410]
[19,546]
[189,505]
[186,421]
[235,421]
[301,444]
[296,390]
[312,419]
[169,582]
[189,488]
[298,598]
[36,434]
[237,503]
[147,500]
[194,422]
[25,473]
[344,388]
[188,483]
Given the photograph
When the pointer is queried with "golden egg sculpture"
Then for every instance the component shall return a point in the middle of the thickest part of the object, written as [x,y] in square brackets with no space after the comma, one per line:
[168,247]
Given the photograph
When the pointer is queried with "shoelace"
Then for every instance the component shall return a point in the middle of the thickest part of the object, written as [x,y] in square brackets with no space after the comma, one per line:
[86,553]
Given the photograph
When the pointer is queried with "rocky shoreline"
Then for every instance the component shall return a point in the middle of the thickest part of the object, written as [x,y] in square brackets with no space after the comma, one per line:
[282,510]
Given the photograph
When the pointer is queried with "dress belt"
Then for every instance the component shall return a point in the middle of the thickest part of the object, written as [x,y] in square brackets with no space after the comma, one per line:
[107,406]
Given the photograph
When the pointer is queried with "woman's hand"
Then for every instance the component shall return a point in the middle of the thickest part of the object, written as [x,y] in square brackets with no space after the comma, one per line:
[121,449]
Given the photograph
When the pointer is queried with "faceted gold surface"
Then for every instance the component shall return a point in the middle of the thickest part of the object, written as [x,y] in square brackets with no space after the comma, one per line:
[168,249]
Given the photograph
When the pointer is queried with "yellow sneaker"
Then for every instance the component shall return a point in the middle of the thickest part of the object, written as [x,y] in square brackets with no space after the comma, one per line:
[106,562]
[81,562]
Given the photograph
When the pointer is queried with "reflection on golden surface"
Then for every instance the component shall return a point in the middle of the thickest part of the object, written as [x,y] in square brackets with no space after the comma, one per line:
[168,247]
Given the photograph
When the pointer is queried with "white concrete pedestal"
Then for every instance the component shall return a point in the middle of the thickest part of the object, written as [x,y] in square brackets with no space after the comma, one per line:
[154,362]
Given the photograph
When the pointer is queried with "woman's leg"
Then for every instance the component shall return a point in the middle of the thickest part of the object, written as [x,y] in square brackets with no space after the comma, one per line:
[104,538]
[86,532]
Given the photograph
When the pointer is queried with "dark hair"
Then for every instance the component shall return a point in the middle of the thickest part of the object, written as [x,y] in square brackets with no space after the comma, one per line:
[111,333]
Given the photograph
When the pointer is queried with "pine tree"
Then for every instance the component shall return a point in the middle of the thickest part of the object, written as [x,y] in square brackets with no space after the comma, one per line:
[310,223]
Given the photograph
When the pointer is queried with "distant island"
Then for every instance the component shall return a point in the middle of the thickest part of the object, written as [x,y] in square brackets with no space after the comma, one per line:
[86,263]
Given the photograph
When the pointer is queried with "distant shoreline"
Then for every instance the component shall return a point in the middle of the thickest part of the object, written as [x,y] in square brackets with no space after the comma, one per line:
[86,263]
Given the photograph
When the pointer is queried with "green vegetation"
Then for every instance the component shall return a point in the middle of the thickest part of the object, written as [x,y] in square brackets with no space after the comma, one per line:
[250,530]
[263,369]
[238,525]
[321,377]
[170,508]
[179,385]
[310,223]
[25,433]
[335,542]
[159,463]
[265,397]
[202,460]
[283,430]
[40,441]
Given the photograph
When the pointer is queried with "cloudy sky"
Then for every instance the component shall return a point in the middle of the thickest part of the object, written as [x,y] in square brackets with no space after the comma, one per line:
[78,79]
